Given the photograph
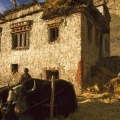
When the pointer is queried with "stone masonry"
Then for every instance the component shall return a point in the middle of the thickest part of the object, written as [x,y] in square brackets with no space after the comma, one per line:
[72,54]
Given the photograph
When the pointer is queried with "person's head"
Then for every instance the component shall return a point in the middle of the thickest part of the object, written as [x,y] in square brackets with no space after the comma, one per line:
[26,70]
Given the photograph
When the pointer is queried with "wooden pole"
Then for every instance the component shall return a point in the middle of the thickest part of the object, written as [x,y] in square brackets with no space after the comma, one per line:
[41,76]
[52,98]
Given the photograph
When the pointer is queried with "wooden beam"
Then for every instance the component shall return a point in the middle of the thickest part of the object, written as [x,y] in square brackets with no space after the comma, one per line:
[52,98]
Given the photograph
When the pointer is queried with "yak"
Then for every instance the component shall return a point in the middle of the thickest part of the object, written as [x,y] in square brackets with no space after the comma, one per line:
[3,98]
[32,99]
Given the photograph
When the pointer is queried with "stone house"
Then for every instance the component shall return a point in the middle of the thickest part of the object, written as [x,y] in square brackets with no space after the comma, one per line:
[64,44]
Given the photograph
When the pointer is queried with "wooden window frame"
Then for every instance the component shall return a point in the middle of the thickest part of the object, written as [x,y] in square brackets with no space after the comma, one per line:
[20,35]
[14,67]
[53,31]
[54,34]
[20,41]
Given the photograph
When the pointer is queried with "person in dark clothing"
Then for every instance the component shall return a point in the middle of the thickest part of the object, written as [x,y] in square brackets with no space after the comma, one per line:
[25,76]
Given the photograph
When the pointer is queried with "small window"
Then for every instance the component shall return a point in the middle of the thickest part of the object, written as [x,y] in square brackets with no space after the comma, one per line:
[14,67]
[54,33]
[50,73]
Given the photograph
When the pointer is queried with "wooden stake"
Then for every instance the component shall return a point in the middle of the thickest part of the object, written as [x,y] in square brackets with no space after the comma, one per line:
[52,98]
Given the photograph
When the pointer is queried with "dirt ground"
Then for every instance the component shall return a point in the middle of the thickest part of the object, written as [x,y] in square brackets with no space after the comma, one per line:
[104,106]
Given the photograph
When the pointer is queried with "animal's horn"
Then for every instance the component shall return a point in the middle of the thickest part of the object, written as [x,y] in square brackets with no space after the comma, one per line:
[33,89]
[10,88]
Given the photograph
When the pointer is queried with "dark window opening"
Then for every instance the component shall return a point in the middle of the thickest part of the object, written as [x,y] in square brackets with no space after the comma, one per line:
[54,33]
[14,67]
[20,40]
[25,40]
[14,41]
[50,73]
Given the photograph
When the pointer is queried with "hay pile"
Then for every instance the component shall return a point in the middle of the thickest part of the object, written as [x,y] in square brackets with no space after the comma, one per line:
[114,85]
[98,77]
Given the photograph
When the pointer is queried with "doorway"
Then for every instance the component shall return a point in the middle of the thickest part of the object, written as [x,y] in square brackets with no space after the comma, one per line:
[50,73]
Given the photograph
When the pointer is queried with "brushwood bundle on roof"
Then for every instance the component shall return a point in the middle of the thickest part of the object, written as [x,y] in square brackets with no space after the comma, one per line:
[64,7]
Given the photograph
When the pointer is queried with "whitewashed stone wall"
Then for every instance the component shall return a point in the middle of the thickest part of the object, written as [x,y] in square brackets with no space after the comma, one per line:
[63,55]
[72,54]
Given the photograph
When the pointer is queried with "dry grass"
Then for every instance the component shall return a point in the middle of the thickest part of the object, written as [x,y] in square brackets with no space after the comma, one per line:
[97,106]
[98,77]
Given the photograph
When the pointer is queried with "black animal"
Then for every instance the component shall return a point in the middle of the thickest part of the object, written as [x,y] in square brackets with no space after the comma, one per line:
[4,92]
[33,103]
[3,97]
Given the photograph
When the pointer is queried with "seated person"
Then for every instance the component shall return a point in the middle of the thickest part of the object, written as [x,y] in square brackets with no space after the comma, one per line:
[25,76]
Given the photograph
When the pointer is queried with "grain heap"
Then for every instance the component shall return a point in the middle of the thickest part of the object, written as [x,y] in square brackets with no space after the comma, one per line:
[98,77]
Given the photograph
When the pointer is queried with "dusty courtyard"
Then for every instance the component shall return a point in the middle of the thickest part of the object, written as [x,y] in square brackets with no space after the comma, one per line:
[104,106]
